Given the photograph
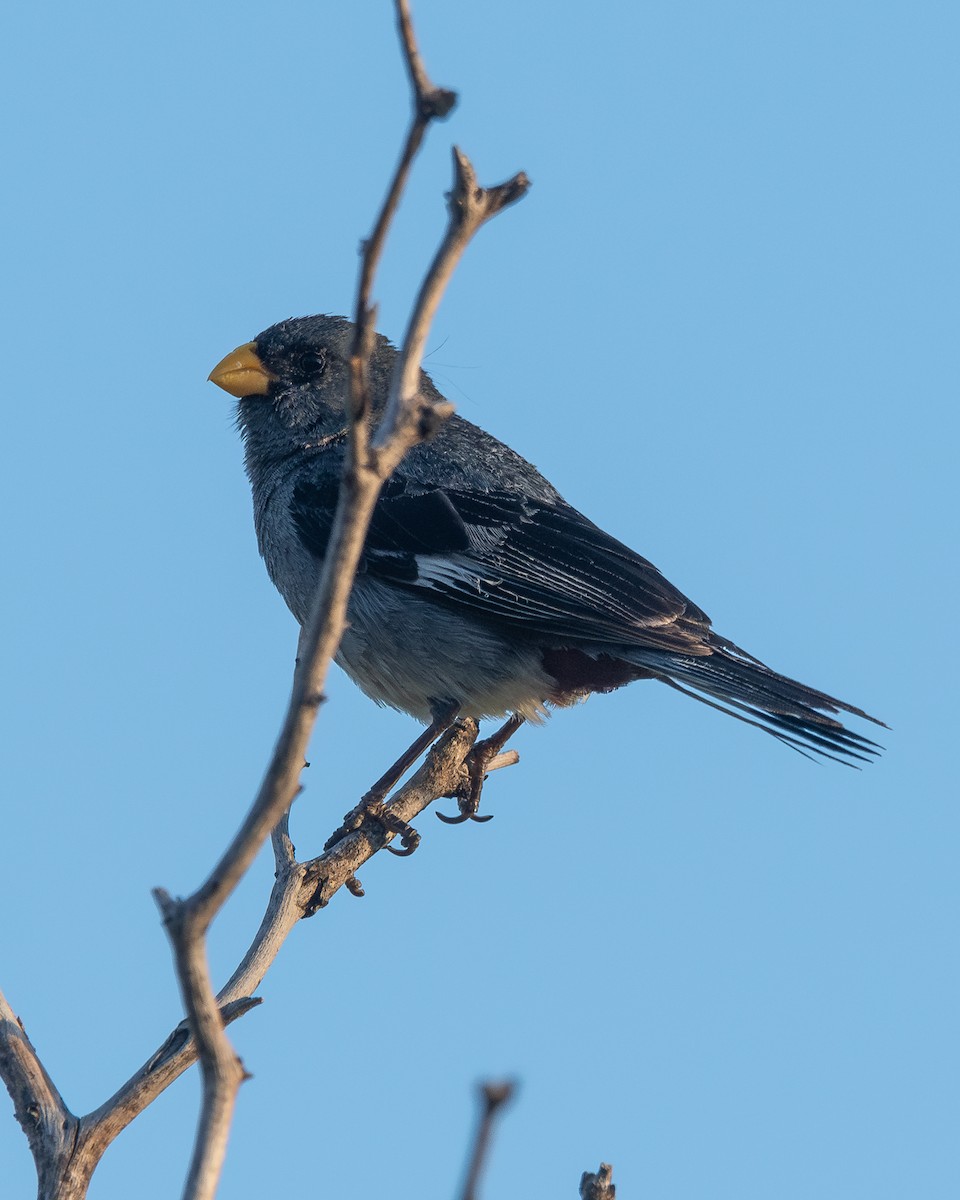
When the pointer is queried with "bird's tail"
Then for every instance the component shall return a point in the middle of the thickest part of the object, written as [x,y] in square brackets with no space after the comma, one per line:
[732,681]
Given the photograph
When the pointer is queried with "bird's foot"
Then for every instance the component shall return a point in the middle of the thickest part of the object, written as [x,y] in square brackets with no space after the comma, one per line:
[351,823]
[372,804]
[409,838]
[480,761]
[372,807]
[468,797]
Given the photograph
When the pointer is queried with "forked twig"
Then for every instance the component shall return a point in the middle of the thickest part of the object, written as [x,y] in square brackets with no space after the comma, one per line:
[408,420]
[599,1186]
[67,1149]
[493,1096]
[429,103]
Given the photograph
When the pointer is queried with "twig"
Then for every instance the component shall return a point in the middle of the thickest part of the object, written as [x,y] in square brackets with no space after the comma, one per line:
[429,103]
[408,420]
[301,888]
[469,207]
[493,1096]
[99,1128]
[509,758]
[284,852]
[222,1070]
[598,1186]
[50,1127]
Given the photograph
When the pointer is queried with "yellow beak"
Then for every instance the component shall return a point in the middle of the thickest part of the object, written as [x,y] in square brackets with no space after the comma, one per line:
[242,373]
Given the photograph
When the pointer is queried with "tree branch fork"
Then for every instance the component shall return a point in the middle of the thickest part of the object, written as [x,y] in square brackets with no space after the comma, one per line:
[66,1148]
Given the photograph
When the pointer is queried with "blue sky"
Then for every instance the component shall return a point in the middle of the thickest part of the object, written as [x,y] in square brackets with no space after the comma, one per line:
[724,324]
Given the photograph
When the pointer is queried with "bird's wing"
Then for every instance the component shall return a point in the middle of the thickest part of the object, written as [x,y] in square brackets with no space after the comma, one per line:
[513,559]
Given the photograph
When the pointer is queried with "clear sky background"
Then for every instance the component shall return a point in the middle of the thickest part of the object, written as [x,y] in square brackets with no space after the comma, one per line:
[724,323]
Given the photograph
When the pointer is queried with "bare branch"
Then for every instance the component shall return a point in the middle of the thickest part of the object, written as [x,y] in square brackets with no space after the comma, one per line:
[429,103]
[443,773]
[50,1127]
[469,207]
[301,889]
[100,1127]
[509,758]
[284,853]
[599,1186]
[493,1096]
[407,422]
[222,1070]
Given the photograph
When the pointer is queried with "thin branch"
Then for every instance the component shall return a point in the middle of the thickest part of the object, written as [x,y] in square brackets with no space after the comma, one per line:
[300,889]
[284,852]
[223,1072]
[404,426]
[444,773]
[493,1096]
[427,99]
[509,758]
[178,1052]
[429,103]
[598,1186]
[50,1127]
[469,206]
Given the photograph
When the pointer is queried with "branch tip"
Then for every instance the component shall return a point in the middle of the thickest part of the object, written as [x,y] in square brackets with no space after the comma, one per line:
[470,204]
[497,1094]
[165,902]
[187,920]
[509,758]
[493,1096]
[599,1185]
[429,102]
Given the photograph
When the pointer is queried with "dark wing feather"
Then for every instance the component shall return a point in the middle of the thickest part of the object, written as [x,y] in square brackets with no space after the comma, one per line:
[404,522]
[514,560]
[543,567]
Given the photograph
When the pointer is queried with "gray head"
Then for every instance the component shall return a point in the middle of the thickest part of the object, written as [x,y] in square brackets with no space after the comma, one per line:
[292,381]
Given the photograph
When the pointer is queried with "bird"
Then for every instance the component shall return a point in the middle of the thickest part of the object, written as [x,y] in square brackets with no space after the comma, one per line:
[481,592]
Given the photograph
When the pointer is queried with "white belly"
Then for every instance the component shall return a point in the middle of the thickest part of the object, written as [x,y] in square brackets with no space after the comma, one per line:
[412,655]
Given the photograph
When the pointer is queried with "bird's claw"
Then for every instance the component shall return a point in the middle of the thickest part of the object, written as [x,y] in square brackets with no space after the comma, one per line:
[378,811]
[464,816]
[408,843]
[478,760]
[351,823]
[468,795]
[371,806]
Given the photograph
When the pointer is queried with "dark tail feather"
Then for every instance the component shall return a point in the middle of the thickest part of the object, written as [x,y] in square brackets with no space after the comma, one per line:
[743,687]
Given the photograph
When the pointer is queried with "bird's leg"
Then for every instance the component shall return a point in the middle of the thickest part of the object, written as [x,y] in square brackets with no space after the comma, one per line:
[443,719]
[478,763]
[371,803]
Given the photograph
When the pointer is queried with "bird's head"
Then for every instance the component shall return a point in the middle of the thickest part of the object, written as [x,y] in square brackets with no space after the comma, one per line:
[292,380]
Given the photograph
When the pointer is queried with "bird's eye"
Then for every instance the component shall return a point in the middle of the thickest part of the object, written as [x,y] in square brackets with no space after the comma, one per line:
[312,362]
